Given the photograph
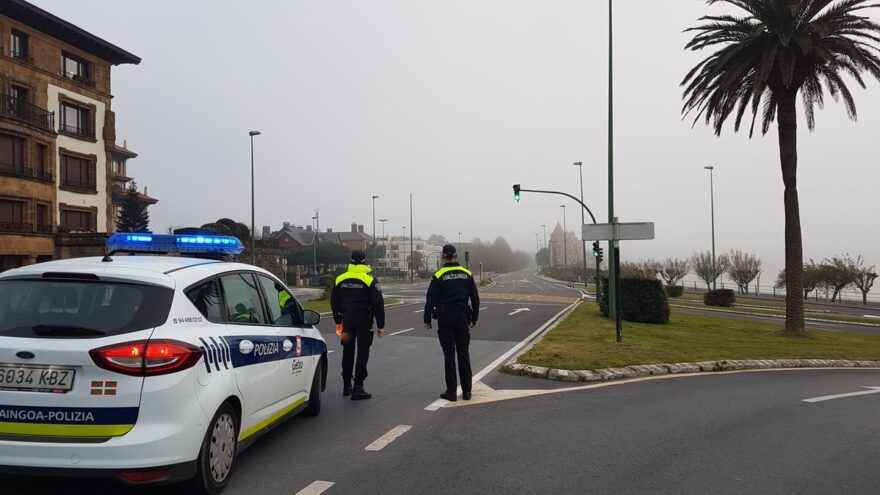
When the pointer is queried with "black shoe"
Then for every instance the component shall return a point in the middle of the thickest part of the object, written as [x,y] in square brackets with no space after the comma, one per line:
[449,396]
[466,395]
[359,393]
[346,389]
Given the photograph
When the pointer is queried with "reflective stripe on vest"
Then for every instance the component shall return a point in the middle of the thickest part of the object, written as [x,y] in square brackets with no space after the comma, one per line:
[357,272]
[446,269]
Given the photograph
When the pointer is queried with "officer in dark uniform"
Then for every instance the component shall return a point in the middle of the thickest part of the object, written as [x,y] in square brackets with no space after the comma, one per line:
[452,287]
[356,300]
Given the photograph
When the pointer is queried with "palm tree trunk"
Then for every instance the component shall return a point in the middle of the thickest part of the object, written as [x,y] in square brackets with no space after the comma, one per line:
[794,251]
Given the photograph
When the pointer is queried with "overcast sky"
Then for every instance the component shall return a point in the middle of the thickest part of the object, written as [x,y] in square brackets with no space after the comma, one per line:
[454,101]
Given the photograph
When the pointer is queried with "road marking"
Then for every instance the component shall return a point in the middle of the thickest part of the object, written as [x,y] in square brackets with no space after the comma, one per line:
[871,390]
[436,405]
[400,332]
[419,311]
[330,351]
[520,310]
[484,307]
[387,438]
[316,488]
[871,316]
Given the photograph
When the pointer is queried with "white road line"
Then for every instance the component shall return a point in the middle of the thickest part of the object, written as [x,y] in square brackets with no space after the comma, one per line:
[330,351]
[419,311]
[484,307]
[871,316]
[315,488]
[387,438]
[400,332]
[871,390]
[437,404]
[520,310]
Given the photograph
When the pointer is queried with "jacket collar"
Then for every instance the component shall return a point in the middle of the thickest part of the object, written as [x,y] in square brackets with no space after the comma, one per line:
[359,268]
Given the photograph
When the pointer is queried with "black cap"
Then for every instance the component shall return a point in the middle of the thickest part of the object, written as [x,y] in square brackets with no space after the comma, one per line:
[449,251]
[358,256]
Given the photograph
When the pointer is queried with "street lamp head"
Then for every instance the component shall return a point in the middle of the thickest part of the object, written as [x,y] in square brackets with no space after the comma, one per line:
[578,164]
[254,133]
[709,167]
[562,206]
[375,197]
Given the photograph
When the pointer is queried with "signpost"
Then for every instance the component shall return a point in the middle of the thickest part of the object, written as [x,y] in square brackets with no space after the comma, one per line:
[616,232]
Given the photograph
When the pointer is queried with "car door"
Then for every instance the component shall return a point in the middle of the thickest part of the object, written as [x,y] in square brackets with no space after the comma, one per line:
[295,366]
[254,345]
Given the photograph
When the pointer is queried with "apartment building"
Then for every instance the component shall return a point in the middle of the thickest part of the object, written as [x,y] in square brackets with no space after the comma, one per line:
[61,170]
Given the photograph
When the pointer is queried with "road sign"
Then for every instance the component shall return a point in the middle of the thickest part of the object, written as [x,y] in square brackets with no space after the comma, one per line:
[618,231]
[284,262]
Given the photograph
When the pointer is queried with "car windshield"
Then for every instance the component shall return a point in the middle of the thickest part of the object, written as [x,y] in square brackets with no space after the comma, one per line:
[64,309]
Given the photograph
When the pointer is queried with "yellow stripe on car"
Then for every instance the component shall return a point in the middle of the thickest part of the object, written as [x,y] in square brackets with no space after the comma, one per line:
[275,417]
[74,431]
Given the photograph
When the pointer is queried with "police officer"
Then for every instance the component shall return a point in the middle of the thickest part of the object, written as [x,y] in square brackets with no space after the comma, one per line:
[356,300]
[452,287]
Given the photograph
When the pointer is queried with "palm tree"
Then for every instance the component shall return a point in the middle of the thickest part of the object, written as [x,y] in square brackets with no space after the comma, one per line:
[763,59]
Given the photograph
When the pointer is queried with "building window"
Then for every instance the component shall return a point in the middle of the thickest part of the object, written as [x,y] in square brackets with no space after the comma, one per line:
[76,120]
[12,215]
[19,94]
[78,220]
[41,161]
[78,173]
[18,45]
[44,221]
[75,68]
[118,166]
[12,155]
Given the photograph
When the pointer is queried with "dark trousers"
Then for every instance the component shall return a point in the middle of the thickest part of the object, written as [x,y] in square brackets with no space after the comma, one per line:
[455,338]
[356,333]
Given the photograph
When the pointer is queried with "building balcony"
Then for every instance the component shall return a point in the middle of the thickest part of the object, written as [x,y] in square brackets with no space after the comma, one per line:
[82,132]
[25,172]
[23,111]
[80,78]
[16,227]
[88,187]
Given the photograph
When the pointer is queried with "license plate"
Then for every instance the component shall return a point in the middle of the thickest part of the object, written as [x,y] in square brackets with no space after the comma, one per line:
[36,378]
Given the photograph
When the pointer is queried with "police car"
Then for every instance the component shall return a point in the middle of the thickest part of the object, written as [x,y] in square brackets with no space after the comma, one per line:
[150,369]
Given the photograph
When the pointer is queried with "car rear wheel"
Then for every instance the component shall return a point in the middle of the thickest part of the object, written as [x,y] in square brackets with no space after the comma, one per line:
[217,456]
[314,407]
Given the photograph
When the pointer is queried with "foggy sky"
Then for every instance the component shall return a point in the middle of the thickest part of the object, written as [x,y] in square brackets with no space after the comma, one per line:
[455,101]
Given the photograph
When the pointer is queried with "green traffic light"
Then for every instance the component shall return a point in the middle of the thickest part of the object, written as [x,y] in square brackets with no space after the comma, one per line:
[516,197]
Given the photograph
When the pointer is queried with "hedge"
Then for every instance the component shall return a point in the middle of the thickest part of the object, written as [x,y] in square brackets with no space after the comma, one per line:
[641,301]
[674,290]
[724,298]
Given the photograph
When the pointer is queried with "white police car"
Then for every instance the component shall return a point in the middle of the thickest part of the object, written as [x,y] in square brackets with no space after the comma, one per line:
[150,369]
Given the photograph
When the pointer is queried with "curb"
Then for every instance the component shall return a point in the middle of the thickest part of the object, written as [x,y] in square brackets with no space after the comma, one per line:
[636,371]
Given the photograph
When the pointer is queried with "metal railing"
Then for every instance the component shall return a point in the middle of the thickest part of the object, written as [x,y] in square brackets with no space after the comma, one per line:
[81,131]
[88,186]
[21,110]
[84,79]
[846,296]
[16,227]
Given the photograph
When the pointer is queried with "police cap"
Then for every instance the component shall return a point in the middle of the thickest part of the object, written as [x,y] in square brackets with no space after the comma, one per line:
[449,251]
[358,256]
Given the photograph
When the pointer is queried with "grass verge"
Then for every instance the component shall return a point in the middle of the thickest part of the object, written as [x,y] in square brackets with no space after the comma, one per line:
[585,340]
[323,305]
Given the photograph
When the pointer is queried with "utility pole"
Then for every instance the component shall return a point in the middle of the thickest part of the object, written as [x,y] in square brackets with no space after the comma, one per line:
[403,241]
[580,166]
[412,253]
[253,221]
[564,240]
[374,225]
[711,170]
[613,253]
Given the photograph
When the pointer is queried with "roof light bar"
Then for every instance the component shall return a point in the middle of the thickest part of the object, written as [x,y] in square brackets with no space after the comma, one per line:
[183,244]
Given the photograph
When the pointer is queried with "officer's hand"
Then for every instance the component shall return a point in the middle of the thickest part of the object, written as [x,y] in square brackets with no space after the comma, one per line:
[428,326]
[380,333]
[473,324]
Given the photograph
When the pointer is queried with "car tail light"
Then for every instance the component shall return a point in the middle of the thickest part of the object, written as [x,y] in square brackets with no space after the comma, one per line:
[136,477]
[146,357]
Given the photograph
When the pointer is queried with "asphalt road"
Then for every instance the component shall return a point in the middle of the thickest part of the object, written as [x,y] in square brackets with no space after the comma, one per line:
[721,433]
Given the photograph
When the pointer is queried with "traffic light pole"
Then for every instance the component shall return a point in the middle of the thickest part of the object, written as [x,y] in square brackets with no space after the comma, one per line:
[593,217]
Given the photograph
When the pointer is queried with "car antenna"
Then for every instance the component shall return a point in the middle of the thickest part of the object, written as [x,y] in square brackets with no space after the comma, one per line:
[106,258]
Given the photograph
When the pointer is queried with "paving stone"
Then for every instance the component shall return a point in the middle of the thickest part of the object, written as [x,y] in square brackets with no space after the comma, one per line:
[610,373]
[588,375]
[562,375]
[731,365]
[708,365]
[536,371]
[651,369]
[515,369]
[789,363]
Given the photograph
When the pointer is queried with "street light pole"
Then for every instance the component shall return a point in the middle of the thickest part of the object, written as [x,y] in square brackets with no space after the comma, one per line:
[253,221]
[544,226]
[411,250]
[384,257]
[564,240]
[403,241]
[374,225]
[580,166]
[459,237]
[711,169]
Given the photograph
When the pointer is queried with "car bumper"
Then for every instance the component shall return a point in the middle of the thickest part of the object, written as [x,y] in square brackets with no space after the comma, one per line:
[170,474]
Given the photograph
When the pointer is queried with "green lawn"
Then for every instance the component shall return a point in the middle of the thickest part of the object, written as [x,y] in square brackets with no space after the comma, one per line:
[766,310]
[323,305]
[585,340]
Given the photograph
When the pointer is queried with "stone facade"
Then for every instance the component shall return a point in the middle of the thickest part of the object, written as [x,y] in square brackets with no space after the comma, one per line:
[57,137]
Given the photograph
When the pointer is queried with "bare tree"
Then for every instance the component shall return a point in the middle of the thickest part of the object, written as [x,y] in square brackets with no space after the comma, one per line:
[864,276]
[702,264]
[743,268]
[673,270]
[646,269]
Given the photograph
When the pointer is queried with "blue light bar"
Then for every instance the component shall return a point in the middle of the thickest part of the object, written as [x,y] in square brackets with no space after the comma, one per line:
[183,244]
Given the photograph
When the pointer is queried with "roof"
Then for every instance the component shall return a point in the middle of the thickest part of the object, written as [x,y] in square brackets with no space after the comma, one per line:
[354,236]
[37,18]
[117,150]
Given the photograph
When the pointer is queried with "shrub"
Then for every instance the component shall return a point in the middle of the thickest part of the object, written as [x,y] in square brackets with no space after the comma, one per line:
[723,298]
[674,290]
[641,301]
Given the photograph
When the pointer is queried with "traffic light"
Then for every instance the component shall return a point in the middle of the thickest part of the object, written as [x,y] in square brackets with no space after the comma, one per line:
[597,252]
[516,195]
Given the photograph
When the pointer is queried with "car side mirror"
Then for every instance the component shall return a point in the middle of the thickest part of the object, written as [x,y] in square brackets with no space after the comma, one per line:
[311,317]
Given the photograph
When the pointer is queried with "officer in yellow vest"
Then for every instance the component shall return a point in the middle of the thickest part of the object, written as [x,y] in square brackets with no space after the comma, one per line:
[356,299]
[452,288]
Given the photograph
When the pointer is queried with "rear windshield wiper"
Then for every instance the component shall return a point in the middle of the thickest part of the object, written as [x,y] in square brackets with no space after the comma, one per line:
[65,330]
